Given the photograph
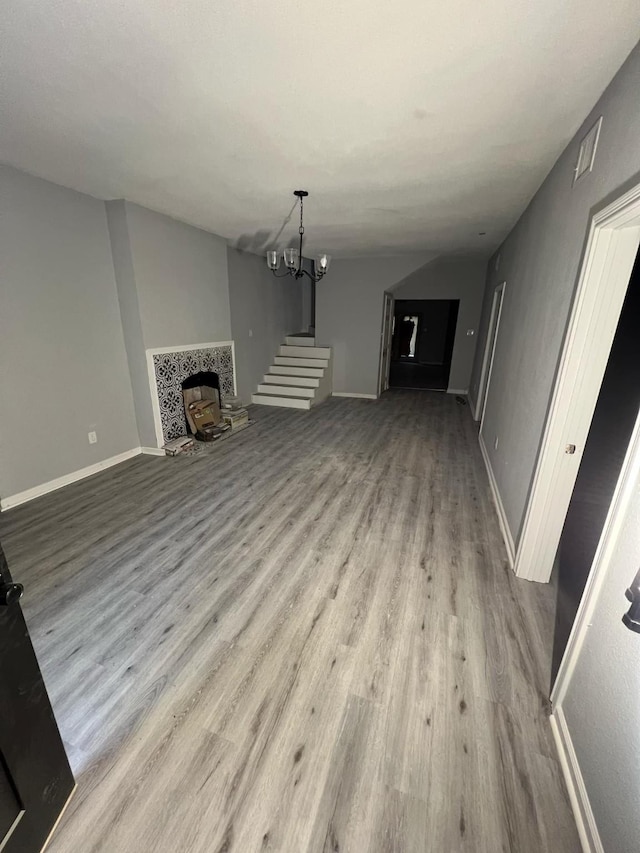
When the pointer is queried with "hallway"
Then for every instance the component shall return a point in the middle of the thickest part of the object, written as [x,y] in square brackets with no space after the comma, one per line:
[307,639]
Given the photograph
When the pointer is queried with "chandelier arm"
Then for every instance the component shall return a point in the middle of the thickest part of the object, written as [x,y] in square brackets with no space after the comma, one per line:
[284,274]
[315,278]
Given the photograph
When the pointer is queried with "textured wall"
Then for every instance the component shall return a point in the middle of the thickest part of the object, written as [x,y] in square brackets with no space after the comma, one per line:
[64,366]
[540,261]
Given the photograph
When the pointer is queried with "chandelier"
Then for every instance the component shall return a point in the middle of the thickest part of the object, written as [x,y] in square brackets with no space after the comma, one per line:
[293,257]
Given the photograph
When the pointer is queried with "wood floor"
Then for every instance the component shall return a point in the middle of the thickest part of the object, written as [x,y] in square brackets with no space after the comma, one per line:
[305,640]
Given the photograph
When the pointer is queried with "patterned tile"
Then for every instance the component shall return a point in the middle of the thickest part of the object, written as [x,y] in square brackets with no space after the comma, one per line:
[172,368]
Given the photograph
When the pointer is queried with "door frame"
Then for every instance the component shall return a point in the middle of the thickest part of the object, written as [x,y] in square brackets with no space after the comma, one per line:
[385,342]
[625,491]
[611,249]
[489,351]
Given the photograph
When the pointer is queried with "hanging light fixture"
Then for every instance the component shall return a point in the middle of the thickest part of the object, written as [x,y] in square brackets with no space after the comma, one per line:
[293,257]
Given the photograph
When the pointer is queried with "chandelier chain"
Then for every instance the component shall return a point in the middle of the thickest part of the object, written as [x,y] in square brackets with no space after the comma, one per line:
[301,228]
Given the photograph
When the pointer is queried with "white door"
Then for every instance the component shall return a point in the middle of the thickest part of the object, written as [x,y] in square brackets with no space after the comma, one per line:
[385,343]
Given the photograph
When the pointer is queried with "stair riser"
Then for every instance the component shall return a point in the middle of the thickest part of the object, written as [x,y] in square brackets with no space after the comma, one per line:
[286,391]
[299,381]
[285,402]
[283,370]
[294,341]
[306,352]
[301,362]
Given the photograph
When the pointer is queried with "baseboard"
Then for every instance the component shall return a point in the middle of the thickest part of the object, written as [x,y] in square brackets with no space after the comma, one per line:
[462,391]
[355,396]
[59,818]
[473,405]
[152,451]
[585,821]
[502,516]
[67,479]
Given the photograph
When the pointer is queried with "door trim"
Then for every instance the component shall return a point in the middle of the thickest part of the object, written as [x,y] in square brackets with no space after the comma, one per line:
[385,339]
[486,357]
[624,492]
[489,352]
[612,245]
[59,818]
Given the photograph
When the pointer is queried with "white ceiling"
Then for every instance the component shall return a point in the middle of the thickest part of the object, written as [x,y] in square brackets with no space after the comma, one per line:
[414,124]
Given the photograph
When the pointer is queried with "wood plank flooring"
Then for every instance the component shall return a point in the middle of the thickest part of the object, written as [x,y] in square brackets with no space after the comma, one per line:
[305,640]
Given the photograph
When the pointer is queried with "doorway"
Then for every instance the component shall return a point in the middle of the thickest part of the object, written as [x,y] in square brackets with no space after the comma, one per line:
[608,261]
[423,336]
[611,428]
[489,351]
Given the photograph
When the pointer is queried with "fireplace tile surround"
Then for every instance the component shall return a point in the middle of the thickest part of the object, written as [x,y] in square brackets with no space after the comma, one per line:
[169,366]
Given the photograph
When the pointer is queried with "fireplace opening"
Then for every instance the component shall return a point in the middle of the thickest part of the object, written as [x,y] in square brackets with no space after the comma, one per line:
[208,382]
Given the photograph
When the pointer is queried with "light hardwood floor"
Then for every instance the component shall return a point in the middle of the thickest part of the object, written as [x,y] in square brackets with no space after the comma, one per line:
[307,639]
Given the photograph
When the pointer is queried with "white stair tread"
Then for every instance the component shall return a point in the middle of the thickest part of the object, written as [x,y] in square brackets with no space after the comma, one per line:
[306,352]
[301,362]
[286,370]
[299,381]
[286,402]
[300,341]
[286,390]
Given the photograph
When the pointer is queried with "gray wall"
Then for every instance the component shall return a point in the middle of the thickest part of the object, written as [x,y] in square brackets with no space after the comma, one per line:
[181,278]
[540,261]
[131,320]
[453,277]
[269,308]
[601,705]
[349,315]
[173,289]
[64,365]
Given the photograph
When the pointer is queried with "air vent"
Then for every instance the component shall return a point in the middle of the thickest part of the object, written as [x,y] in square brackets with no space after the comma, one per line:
[587,152]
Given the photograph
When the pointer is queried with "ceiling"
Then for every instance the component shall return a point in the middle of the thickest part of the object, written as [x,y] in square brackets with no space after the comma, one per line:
[414,124]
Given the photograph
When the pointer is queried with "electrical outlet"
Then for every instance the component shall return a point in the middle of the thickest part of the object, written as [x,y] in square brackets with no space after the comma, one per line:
[93,437]
[470,332]
[495,444]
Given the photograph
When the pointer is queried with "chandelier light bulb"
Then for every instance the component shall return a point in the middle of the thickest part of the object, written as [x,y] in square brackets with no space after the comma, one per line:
[322,262]
[273,259]
[291,256]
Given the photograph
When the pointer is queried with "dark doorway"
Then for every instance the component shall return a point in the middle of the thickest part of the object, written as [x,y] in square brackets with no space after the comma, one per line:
[422,344]
[609,435]
[35,777]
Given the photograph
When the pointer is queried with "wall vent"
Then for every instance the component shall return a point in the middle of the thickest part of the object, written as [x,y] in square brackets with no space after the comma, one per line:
[587,152]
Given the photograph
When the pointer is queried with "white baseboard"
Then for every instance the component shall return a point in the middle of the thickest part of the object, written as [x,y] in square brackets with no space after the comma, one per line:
[462,391]
[152,451]
[502,516]
[356,396]
[67,479]
[585,821]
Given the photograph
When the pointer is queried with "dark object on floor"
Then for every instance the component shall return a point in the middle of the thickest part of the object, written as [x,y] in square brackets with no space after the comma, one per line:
[461,400]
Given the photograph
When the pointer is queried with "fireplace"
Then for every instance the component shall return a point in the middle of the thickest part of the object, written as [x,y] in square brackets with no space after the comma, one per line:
[168,369]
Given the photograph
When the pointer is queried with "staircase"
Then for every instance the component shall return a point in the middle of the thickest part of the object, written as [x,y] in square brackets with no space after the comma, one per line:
[300,376]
